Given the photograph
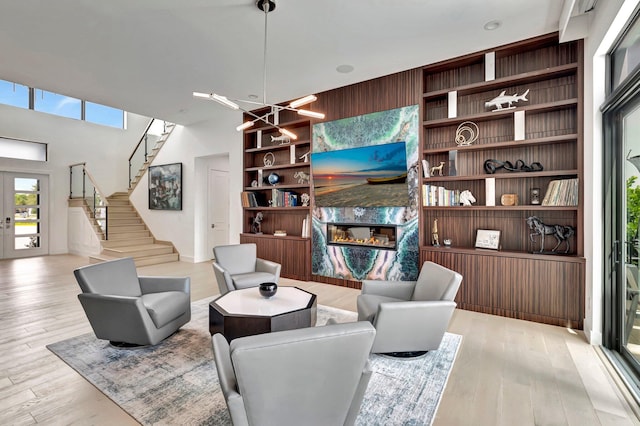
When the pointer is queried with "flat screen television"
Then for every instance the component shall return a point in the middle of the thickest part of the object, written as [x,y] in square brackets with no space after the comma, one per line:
[367,176]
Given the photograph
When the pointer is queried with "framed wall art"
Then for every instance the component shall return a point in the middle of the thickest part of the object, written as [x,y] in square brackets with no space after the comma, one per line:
[165,187]
[488,239]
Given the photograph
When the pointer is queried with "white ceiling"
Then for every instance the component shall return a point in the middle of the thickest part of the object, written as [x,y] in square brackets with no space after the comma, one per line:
[148,56]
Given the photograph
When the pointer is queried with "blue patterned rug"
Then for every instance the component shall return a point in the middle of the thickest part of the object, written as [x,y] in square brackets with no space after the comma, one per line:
[175,382]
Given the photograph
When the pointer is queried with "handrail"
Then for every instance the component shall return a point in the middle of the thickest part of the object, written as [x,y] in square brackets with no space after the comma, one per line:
[155,132]
[97,201]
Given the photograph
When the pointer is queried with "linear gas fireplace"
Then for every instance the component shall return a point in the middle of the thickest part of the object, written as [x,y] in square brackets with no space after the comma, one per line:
[362,235]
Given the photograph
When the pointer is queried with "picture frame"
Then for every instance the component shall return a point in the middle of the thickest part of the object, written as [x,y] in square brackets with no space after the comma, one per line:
[488,239]
[165,187]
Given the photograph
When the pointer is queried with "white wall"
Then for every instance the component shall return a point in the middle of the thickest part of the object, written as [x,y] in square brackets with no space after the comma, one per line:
[603,27]
[104,149]
[190,145]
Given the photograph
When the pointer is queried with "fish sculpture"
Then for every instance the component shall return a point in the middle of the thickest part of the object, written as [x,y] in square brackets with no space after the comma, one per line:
[283,139]
[502,98]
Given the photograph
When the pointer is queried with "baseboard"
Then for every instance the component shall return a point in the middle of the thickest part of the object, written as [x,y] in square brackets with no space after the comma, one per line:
[594,337]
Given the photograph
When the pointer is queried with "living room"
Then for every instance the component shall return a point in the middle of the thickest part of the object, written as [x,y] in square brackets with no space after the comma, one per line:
[200,143]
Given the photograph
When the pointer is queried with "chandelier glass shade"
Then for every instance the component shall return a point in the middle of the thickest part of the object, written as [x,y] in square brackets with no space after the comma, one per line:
[266,6]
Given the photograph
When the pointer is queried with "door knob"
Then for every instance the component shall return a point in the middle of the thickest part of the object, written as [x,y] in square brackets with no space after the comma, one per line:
[213,225]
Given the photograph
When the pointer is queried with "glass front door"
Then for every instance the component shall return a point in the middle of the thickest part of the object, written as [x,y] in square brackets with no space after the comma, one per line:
[23,215]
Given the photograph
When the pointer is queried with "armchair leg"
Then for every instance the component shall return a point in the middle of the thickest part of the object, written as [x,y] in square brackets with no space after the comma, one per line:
[125,345]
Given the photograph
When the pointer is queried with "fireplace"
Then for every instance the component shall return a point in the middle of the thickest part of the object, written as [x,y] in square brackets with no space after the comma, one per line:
[362,235]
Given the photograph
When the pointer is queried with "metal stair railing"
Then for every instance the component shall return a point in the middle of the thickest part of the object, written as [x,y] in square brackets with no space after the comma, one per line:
[83,186]
[156,132]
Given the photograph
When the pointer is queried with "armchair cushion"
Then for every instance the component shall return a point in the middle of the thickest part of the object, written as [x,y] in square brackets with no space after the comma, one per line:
[436,282]
[237,258]
[166,306]
[368,306]
[252,279]
[236,266]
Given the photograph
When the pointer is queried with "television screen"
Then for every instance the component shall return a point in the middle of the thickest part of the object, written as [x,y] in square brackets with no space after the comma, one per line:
[368,176]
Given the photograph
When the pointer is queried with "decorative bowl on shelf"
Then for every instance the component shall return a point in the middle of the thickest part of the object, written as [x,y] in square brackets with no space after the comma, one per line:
[267,290]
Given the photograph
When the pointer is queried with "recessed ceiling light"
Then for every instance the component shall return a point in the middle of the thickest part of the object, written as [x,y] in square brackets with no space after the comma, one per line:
[492,25]
[253,96]
[344,69]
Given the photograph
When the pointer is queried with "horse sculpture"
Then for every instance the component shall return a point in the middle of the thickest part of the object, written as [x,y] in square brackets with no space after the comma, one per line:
[562,233]
[301,176]
[466,198]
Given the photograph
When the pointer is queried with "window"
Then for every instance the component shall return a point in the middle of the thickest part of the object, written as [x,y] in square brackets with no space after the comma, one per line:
[101,114]
[20,96]
[23,150]
[14,94]
[53,103]
[626,55]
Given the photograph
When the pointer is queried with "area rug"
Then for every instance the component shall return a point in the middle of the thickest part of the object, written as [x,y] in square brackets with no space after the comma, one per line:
[176,382]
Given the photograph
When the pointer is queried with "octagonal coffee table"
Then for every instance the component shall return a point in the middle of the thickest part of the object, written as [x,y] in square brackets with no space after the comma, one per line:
[245,312]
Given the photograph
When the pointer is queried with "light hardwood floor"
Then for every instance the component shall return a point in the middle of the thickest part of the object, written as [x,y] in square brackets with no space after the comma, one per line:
[508,372]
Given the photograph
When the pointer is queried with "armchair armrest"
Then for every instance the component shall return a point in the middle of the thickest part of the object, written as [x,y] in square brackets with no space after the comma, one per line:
[223,278]
[396,289]
[162,284]
[263,265]
[227,380]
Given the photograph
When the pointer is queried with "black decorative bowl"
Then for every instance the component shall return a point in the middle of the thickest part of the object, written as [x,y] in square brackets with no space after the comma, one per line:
[267,290]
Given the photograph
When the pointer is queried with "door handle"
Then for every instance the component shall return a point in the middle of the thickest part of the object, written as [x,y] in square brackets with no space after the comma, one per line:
[213,225]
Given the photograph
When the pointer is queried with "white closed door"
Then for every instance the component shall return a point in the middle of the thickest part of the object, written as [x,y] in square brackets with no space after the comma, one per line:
[218,209]
[24,215]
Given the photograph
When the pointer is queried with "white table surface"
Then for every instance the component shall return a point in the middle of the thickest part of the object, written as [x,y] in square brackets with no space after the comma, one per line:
[248,301]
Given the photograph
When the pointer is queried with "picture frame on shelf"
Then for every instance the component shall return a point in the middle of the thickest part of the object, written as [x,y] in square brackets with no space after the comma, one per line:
[488,239]
[165,187]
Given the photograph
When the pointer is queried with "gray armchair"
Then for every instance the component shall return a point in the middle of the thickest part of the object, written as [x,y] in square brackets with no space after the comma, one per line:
[129,310]
[410,316]
[237,266]
[308,376]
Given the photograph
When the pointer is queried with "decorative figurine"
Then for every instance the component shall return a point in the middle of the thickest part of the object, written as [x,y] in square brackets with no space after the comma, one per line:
[561,232]
[305,199]
[434,234]
[273,178]
[301,176]
[502,98]
[256,226]
[283,139]
[447,242]
[305,157]
[467,133]
[438,169]
[534,195]
[466,198]
[269,159]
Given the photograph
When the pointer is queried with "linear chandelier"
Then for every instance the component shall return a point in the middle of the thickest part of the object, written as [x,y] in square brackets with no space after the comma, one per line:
[266,6]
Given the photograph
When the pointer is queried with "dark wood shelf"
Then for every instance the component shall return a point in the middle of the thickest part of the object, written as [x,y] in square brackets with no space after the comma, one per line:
[491,115]
[272,147]
[269,187]
[505,175]
[500,83]
[269,236]
[269,208]
[571,137]
[524,207]
[506,253]
[277,167]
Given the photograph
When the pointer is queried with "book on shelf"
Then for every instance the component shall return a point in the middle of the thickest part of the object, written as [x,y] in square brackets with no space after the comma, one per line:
[280,198]
[433,195]
[562,192]
[252,199]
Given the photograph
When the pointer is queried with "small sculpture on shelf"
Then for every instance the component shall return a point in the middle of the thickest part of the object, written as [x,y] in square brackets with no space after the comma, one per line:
[274,179]
[305,199]
[467,133]
[256,226]
[269,159]
[434,234]
[283,139]
[438,169]
[301,176]
[562,233]
[467,198]
[503,98]
[305,157]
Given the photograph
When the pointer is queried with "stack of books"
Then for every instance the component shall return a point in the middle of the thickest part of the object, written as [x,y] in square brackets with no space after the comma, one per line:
[249,199]
[280,198]
[433,195]
[562,192]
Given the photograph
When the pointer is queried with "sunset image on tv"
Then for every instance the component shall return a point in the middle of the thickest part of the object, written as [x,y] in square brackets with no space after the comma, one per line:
[369,176]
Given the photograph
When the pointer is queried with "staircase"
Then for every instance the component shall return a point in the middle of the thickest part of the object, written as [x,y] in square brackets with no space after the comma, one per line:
[130,237]
[147,157]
